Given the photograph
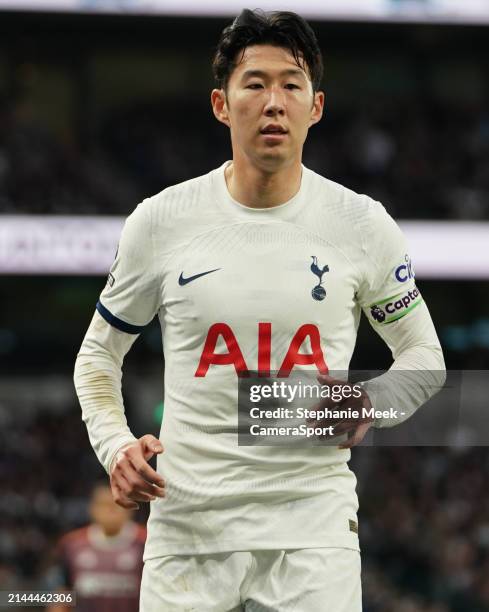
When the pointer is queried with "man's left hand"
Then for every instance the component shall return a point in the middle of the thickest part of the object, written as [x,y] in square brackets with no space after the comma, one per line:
[356,428]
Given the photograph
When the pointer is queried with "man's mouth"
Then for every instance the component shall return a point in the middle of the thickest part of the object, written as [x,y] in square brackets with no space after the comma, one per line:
[273,130]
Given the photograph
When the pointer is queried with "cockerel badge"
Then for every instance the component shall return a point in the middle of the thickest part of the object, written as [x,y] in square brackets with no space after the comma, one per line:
[318,292]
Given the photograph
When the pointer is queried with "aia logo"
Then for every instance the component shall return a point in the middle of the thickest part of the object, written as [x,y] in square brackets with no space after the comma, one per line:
[235,356]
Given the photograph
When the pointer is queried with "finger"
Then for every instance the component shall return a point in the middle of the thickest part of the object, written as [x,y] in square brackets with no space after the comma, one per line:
[314,422]
[353,423]
[122,500]
[338,432]
[132,492]
[357,436]
[147,472]
[341,430]
[341,394]
[324,429]
[327,403]
[128,505]
[138,456]
[339,427]
[138,484]
[140,496]
[150,446]
[326,379]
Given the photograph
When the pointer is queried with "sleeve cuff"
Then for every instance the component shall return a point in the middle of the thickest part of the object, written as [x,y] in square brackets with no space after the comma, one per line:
[125,441]
[119,324]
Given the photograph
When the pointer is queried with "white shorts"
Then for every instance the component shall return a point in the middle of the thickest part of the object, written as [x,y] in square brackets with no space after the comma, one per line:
[305,580]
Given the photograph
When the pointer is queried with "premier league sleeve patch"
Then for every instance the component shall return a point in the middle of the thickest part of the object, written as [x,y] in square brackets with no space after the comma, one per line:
[395,307]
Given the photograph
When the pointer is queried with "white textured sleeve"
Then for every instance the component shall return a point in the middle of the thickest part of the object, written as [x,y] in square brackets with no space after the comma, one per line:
[395,309]
[98,375]
[128,302]
[418,371]
[132,295]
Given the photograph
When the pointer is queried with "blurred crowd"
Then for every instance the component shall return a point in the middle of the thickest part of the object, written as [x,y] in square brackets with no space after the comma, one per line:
[424,513]
[424,517]
[46,473]
[425,160]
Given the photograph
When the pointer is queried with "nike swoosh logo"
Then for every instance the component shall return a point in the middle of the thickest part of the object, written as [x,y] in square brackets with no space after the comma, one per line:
[184,281]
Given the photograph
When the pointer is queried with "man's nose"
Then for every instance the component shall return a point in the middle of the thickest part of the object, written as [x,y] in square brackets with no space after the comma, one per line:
[276,102]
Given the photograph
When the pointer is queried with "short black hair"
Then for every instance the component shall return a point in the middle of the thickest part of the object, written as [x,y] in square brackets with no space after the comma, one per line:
[281,28]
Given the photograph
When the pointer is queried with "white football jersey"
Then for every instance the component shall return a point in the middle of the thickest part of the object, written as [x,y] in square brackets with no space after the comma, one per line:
[237,289]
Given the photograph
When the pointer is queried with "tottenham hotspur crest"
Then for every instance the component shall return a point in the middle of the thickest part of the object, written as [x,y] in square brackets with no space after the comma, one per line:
[318,292]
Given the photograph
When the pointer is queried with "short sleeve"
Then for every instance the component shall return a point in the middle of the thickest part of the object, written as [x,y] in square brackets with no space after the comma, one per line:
[388,291]
[132,295]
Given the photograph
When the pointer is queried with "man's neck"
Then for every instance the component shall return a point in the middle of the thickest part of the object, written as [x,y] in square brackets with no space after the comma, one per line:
[255,188]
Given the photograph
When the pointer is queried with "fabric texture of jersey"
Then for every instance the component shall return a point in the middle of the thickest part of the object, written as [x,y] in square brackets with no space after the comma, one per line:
[198,259]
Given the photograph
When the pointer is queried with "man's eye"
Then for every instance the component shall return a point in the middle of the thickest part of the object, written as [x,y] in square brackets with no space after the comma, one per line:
[254,86]
[292,86]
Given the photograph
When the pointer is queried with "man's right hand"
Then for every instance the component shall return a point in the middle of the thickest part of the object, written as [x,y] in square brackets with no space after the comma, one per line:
[132,479]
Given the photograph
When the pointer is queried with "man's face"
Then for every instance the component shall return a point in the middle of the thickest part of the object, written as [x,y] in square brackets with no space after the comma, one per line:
[269,106]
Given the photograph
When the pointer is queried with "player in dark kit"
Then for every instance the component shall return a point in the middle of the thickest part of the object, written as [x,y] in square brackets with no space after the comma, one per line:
[102,562]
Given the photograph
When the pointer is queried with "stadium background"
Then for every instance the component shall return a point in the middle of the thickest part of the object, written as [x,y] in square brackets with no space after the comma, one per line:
[99,111]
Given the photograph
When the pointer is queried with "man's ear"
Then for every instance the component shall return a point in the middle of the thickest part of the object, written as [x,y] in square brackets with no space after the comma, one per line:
[317,108]
[219,106]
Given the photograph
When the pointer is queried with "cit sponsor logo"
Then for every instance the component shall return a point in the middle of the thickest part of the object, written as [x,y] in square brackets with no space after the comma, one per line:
[318,292]
[396,308]
[405,271]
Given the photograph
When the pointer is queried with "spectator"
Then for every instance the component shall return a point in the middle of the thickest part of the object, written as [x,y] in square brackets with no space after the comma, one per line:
[102,563]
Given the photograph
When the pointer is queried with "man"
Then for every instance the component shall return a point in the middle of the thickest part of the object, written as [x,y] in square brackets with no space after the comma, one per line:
[259,265]
[102,562]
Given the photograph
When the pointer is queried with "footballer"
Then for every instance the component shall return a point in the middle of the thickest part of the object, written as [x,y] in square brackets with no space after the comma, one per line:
[259,265]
